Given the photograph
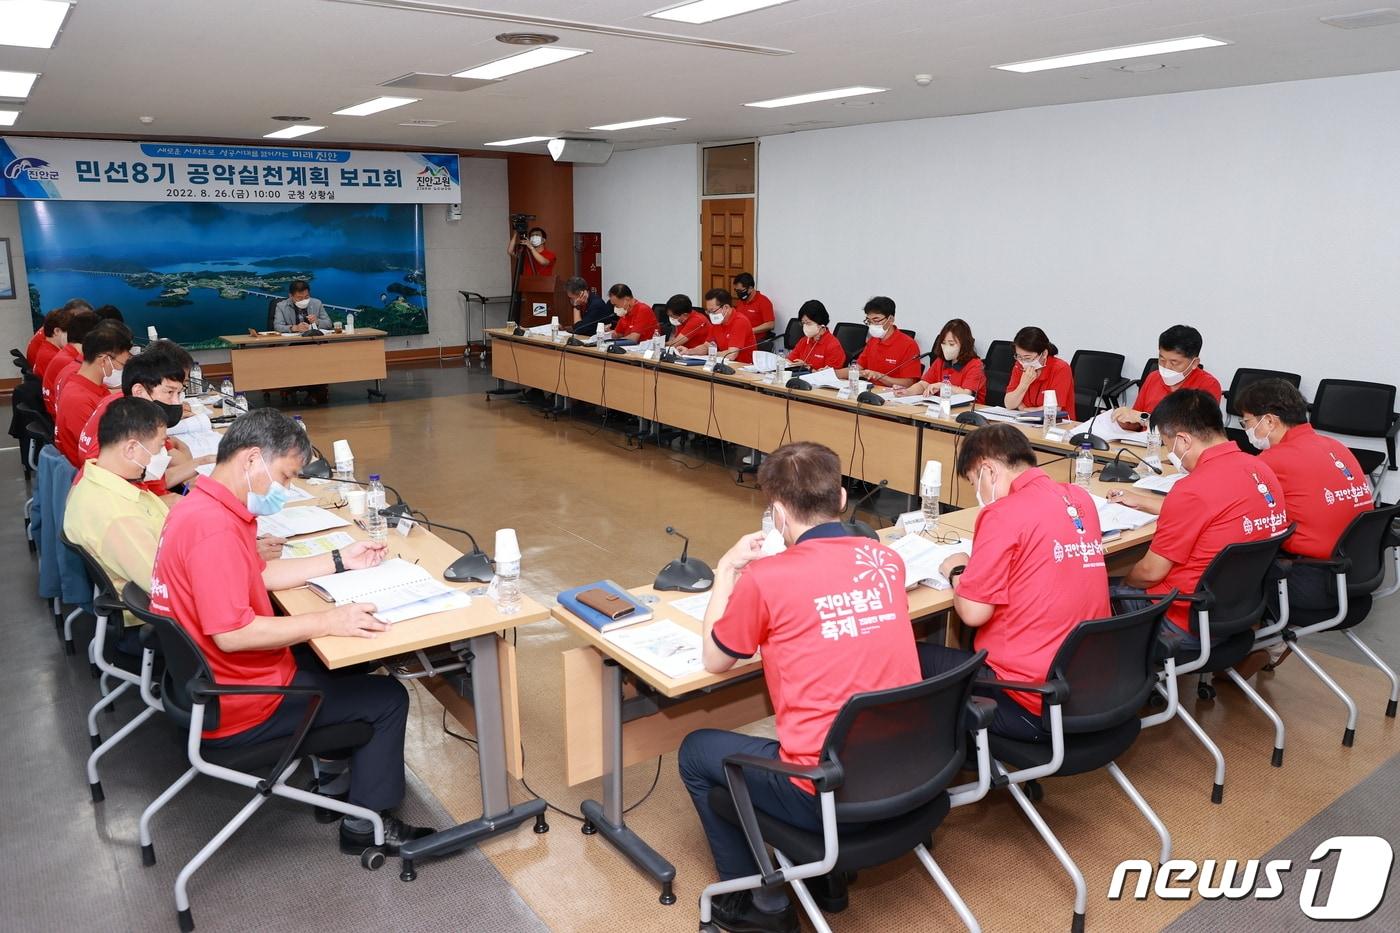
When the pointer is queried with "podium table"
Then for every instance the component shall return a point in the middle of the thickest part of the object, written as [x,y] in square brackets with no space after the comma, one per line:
[285,361]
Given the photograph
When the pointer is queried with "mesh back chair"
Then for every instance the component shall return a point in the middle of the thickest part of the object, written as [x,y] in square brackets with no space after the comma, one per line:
[852,338]
[1242,378]
[1358,564]
[272,312]
[1102,674]
[997,363]
[191,698]
[792,334]
[911,334]
[1229,601]
[33,436]
[1360,409]
[107,607]
[924,728]
[1095,372]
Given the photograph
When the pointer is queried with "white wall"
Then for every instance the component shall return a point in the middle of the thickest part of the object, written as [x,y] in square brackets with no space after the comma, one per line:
[645,204]
[462,254]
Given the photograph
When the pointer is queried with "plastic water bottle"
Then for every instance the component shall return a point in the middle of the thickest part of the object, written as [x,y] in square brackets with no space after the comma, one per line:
[374,495]
[780,372]
[1084,466]
[349,322]
[1051,416]
[930,485]
[853,379]
[226,389]
[604,338]
[768,523]
[1154,448]
[711,357]
[301,424]
[508,586]
[375,523]
[945,389]
[240,402]
[196,379]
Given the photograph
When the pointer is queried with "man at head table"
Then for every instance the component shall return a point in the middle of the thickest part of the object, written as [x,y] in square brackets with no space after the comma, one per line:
[209,577]
[299,312]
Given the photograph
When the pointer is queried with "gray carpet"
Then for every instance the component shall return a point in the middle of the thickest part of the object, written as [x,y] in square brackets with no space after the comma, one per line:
[74,866]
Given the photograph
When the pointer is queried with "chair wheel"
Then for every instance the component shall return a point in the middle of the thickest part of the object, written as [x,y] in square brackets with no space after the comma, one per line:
[372,859]
[588,828]
[541,826]
[1034,791]
[1205,691]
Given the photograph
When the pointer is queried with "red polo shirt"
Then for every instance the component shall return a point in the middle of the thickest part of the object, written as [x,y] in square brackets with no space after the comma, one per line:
[43,355]
[757,308]
[78,397]
[63,361]
[533,267]
[1219,503]
[1055,374]
[208,577]
[970,377]
[832,620]
[734,334]
[1154,389]
[895,355]
[1043,573]
[641,320]
[33,346]
[1323,487]
[823,352]
[88,448]
[694,331]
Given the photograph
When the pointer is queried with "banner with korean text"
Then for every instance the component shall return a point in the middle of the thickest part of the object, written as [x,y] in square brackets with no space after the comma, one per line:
[33,168]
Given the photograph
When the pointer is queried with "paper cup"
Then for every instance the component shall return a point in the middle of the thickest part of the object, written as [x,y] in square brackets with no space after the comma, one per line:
[507,547]
[355,500]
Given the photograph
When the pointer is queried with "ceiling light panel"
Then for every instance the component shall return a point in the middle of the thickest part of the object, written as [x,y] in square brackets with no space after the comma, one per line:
[292,132]
[521,141]
[1118,53]
[32,24]
[707,11]
[17,84]
[815,96]
[633,124]
[514,64]
[8,117]
[377,105]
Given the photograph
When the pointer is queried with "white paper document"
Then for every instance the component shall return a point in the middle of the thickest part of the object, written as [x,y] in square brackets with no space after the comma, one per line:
[669,648]
[322,544]
[204,469]
[192,425]
[763,362]
[824,379]
[306,520]
[397,589]
[1156,483]
[1105,427]
[1114,516]
[202,443]
[693,606]
[997,413]
[923,556]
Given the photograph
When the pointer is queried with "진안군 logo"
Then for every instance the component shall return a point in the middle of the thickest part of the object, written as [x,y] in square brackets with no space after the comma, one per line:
[31,169]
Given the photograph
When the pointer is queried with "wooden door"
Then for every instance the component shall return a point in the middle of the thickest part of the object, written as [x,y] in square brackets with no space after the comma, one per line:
[726,241]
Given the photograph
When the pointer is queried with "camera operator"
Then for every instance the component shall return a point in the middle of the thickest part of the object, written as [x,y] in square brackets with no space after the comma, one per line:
[538,259]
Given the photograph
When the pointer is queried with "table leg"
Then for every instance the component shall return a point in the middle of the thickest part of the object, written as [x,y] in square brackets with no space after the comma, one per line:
[607,817]
[377,392]
[497,814]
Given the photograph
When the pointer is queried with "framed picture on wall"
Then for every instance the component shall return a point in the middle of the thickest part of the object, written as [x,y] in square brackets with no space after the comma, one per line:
[7,271]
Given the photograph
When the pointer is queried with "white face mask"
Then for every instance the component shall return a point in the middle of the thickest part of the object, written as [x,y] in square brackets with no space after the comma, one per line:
[674,322]
[156,467]
[774,542]
[1175,458]
[951,351]
[716,317]
[536,241]
[302,303]
[1032,366]
[877,331]
[1171,377]
[811,330]
[1260,443]
[113,380]
[977,488]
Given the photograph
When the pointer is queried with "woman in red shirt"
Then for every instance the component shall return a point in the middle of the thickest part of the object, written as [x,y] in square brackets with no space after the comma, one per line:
[957,361]
[818,348]
[1037,370]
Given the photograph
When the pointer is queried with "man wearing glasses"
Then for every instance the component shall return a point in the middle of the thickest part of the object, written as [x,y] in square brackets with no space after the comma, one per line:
[890,357]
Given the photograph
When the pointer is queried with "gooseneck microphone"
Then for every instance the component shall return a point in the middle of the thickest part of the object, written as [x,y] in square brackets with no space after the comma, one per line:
[869,397]
[1118,472]
[476,565]
[683,573]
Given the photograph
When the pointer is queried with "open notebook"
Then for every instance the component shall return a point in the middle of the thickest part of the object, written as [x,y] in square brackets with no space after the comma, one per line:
[1115,516]
[923,557]
[397,589]
[1103,425]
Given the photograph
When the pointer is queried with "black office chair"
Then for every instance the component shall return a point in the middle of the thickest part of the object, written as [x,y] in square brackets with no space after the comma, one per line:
[852,338]
[1229,600]
[1359,564]
[272,304]
[1101,676]
[1360,409]
[191,698]
[1242,378]
[1095,372]
[923,728]
[38,431]
[912,335]
[997,362]
[793,333]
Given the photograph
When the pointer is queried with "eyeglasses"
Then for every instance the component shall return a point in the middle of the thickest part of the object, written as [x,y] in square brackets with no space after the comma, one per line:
[877,320]
[1027,359]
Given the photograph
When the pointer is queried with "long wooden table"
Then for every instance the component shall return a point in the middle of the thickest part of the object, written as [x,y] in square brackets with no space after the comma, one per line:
[888,443]
[606,729]
[475,634]
[283,361]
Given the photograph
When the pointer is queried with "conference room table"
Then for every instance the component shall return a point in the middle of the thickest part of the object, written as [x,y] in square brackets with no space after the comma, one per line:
[479,661]
[619,710]
[879,444]
[284,361]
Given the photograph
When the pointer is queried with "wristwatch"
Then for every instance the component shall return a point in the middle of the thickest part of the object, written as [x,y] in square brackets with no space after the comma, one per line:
[336,559]
[955,573]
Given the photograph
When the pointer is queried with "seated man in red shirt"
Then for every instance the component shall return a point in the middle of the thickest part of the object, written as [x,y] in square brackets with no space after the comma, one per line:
[729,331]
[635,319]
[957,362]
[823,638]
[1178,367]
[209,578]
[70,357]
[1227,497]
[537,259]
[890,357]
[1323,485]
[1037,370]
[753,305]
[690,330]
[1036,572]
[105,351]
[818,348]
[51,337]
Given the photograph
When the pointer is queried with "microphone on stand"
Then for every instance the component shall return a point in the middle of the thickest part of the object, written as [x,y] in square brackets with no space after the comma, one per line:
[1117,472]
[871,398]
[855,526]
[474,566]
[684,573]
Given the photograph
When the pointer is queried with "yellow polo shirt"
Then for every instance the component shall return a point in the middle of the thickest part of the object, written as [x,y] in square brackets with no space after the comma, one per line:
[118,523]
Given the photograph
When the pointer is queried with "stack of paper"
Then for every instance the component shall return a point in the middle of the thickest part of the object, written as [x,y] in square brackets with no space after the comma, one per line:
[670,648]
[310,547]
[1105,427]
[923,558]
[824,379]
[693,606]
[1159,483]
[997,413]
[196,423]
[397,589]
[1114,516]
[306,520]
[203,443]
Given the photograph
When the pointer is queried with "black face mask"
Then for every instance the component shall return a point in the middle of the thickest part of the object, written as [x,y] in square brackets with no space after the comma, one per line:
[173,413]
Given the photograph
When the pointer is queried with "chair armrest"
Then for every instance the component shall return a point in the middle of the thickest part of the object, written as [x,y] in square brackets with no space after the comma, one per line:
[202,691]
[1287,563]
[1055,691]
[1394,428]
[1121,385]
[825,775]
[148,636]
[979,713]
